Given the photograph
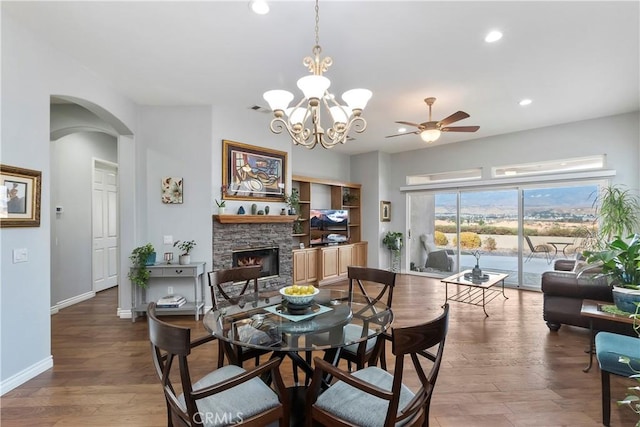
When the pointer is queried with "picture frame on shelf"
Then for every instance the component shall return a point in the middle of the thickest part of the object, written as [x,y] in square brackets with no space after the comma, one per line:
[253,173]
[385,211]
[19,197]
[172,190]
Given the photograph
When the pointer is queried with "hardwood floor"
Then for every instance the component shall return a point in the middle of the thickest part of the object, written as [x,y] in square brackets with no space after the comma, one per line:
[504,370]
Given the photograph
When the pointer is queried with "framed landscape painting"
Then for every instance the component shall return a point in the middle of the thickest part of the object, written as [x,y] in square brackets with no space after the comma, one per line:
[19,197]
[252,173]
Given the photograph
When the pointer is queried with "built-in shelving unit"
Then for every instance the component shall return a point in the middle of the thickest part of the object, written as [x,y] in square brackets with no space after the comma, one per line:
[322,265]
[338,189]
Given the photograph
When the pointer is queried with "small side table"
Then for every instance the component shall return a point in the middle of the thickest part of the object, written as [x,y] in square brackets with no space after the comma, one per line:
[593,310]
[564,247]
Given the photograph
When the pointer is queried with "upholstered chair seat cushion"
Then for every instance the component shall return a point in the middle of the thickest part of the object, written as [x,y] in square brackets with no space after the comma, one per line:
[353,332]
[229,406]
[610,347]
[358,407]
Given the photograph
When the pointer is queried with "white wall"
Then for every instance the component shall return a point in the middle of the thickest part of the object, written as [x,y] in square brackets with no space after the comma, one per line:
[31,72]
[71,233]
[176,142]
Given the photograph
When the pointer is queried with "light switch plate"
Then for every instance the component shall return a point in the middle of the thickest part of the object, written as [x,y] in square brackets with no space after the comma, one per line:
[168,240]
[20,255]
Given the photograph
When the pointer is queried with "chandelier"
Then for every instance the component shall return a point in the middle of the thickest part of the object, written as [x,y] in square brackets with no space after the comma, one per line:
[303,122]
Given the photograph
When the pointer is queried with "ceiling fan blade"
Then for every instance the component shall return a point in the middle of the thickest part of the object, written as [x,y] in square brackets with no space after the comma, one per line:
[409,124]
[406,133]
[453,118]
[460,128]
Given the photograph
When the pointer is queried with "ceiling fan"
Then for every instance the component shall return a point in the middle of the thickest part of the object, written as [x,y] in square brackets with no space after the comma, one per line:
[431,130]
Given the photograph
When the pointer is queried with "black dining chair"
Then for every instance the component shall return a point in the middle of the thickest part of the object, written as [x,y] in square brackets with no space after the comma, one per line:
[224,291]
[380,285]
[374,397]
[229,395]
[372,285]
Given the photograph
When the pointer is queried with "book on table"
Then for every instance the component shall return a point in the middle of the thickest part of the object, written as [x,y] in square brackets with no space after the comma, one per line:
[171,301]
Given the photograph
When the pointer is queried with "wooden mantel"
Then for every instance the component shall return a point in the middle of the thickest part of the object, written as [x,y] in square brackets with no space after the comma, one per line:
[254,219]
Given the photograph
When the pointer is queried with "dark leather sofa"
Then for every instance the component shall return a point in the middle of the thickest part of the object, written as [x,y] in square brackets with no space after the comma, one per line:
[563,294]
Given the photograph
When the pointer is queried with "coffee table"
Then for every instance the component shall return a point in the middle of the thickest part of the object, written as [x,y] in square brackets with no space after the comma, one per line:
[477,292]
[593,310]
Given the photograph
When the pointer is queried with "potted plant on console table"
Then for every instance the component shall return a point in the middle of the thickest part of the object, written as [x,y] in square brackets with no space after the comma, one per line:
[141,257]
[185,246]
[620,261]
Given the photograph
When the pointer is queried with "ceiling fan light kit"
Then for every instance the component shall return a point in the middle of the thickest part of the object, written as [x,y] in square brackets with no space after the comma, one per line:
[430,135]
[431,130]
[315,88]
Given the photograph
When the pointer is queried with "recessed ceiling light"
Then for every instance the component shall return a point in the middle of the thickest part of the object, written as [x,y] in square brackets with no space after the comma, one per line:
[402,130]
[525,101]
[261,7]
[493,36]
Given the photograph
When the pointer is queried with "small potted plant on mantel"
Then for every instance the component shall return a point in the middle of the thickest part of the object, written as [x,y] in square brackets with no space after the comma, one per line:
[185,246]
[221,205]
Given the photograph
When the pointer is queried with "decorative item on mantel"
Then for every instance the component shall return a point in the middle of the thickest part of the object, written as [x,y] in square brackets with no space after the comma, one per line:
[254,209]
[221,205]
[241,210]
[316,90]
[266,210]
[283,211]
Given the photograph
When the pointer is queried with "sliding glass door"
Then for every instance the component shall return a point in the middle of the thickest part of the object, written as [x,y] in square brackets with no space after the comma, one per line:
[517,231]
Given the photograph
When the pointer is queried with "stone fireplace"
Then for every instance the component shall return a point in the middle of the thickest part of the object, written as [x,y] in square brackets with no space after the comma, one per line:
[246,236]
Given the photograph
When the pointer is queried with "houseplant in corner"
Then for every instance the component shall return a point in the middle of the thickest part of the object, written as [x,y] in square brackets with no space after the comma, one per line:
[141,257]
[393,241]
[617,213]
[185,246]
[620,262]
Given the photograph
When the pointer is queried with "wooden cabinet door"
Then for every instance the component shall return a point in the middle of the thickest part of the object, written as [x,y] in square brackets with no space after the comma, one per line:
[311,257]
[329,263]
[345,258]
[360,254]
[299,268]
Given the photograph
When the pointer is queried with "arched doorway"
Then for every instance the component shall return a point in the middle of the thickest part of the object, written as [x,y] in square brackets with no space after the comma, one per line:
[83,136]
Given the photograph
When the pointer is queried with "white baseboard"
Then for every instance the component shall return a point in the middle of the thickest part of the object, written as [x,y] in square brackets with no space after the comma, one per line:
[25,375]
[71,301]
[124,314]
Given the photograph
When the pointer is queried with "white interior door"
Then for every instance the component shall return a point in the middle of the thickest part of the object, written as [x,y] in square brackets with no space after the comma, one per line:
[105,225]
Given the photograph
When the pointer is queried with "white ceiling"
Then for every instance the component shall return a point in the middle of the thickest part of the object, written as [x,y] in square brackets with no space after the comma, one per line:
[575,60]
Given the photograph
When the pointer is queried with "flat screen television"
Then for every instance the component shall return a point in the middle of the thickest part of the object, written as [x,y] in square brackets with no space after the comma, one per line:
[328,226]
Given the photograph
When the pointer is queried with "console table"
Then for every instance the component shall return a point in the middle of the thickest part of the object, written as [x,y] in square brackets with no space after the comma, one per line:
[195,302]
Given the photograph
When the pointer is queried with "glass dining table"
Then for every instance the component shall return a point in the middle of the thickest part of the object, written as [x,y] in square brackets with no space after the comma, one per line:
[263,321]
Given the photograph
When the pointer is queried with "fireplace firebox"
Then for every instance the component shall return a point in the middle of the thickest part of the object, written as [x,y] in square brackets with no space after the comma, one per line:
[268,258]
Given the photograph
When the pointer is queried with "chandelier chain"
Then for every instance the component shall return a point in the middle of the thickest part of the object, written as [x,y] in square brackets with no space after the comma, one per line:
[317,24]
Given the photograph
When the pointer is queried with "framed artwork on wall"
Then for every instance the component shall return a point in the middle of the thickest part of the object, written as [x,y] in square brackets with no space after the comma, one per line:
[252,173]
[172,190]
[385,211]
[19,197]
